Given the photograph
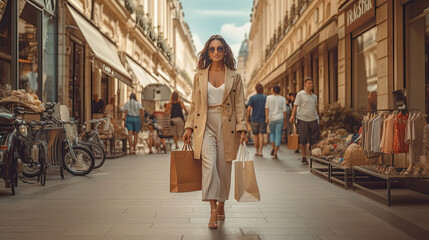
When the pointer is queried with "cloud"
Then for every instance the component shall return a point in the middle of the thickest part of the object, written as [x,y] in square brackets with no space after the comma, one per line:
[223,13]
[234,35]
[197,41]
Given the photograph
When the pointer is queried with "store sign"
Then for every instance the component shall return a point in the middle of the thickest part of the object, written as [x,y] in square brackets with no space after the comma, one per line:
[107,69]
[358,13]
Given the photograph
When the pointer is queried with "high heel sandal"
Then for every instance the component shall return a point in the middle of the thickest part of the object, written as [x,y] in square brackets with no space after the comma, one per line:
[213,225]
[219,216]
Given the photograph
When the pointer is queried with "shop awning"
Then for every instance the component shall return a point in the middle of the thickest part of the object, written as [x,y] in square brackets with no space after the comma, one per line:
[140,74]
[162,81]
[106,53]
[274,74]
[329,31]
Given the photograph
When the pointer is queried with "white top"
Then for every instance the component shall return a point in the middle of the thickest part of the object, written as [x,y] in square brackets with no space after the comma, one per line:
[306,106]
[215,95]
[276,105]
[133,108]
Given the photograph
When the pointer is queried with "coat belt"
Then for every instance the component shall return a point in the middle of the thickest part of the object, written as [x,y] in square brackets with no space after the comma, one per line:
[222,108]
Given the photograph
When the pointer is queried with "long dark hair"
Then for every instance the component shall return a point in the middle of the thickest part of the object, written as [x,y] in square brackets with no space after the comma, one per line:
[204,60]
[174,97]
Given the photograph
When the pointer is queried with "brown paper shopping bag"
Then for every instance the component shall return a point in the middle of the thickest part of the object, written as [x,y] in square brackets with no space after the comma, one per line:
[185,171]
[246,187]
[292,139]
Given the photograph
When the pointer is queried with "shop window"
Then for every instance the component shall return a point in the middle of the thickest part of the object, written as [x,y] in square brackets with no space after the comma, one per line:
[76,82]
[417,55]
[49,80]
[29,46]
[6,82]
[364,71]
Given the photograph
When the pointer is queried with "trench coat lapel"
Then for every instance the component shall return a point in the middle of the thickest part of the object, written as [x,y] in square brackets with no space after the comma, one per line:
[204,78]
[229,80]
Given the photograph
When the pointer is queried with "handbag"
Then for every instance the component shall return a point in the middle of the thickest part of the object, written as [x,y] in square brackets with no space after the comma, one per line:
[185,171]
[246,186]
[292,139]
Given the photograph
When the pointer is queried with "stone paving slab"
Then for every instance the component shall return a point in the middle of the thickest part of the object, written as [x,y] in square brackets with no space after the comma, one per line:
[129,199]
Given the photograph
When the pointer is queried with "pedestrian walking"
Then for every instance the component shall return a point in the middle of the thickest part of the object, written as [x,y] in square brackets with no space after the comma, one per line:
[134,113]
[175,108]
[217,119]
[256,105]
[275,114]
[304,114]
[290,98]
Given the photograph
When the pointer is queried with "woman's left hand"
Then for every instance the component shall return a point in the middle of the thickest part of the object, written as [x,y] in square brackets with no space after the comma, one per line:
[243,137]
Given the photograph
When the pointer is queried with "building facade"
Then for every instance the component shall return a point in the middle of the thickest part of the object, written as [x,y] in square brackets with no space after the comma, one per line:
[290,40]
[242,60]
[360,53]
[110,49]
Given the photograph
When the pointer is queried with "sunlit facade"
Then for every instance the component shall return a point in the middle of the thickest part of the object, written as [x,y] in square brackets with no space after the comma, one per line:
[114,48]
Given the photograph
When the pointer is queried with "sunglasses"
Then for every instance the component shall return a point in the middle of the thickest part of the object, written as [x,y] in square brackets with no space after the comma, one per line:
[219,49]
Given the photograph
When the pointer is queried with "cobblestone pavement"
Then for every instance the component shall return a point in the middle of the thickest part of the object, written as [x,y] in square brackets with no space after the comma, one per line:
[129,198]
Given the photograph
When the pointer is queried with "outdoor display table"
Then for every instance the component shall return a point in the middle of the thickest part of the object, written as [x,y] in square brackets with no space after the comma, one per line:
[341,174]
[368,181]
[323,170]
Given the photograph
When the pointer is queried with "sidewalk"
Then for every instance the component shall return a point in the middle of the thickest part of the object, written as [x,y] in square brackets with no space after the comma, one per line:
[129,198]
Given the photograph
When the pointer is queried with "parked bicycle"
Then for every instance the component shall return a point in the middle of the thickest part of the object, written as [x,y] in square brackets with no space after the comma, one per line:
[91,138]
[8,164]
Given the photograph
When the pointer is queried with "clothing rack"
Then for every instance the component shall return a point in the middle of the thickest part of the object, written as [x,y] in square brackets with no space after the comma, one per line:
[391,110]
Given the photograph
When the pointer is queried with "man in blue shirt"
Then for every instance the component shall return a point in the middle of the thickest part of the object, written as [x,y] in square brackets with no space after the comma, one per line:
[259,127]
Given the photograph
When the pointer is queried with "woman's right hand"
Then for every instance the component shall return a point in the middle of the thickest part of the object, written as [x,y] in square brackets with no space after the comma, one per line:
[187,136]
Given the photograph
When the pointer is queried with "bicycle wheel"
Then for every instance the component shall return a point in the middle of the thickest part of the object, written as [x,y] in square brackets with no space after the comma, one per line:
[43,163]
[31,170]
[99,154]
[82,165]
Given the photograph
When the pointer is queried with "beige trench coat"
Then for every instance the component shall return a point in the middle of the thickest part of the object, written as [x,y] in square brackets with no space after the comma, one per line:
[233,112]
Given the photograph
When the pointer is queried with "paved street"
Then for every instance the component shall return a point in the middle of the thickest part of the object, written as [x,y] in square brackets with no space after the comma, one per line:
[129,198]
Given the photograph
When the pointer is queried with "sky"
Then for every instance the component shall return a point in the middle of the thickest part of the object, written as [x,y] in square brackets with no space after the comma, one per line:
[229,18]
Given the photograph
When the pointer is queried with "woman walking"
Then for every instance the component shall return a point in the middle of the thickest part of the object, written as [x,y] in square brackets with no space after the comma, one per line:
[275,116]
[134,113]
[217,119]
[175,108]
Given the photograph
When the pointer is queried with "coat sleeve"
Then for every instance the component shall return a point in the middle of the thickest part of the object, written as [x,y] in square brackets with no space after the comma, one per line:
[240,108]
[190,121]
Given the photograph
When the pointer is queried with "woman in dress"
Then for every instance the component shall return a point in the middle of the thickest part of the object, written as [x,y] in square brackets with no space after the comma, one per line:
[175,108]
[217,120]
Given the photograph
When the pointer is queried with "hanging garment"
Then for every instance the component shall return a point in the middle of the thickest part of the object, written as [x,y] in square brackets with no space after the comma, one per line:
[377,125]
[414,136]
[388,141]
[425,142]
[383,134]
[399,145]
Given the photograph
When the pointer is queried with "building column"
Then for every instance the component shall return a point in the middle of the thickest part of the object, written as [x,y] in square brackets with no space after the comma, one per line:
[342,61]
[384,23]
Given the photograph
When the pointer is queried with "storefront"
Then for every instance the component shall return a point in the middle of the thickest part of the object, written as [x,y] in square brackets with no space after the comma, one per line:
[315,58]
[28,47]
[361,52]
[416,26]
[96,74]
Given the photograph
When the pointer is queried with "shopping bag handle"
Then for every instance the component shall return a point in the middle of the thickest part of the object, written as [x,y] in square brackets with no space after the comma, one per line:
[187,147]
[294,130]
[244,153]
